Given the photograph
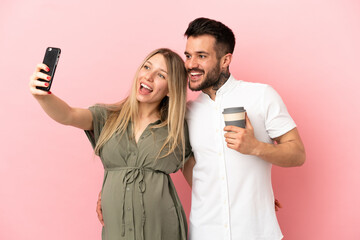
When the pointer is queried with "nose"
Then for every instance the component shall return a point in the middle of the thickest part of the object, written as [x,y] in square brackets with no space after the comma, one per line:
[150,76]
[191,63]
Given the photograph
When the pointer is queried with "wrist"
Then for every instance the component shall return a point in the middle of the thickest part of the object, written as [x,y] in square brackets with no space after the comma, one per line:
[42,96]
[259,149]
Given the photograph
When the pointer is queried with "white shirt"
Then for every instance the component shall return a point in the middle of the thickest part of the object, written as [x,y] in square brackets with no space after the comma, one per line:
[232,195]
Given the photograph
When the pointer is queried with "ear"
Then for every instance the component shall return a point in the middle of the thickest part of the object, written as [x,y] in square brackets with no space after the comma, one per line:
[226,60]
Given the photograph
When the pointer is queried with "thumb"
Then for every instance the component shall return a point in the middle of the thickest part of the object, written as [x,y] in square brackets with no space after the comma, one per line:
[248,123]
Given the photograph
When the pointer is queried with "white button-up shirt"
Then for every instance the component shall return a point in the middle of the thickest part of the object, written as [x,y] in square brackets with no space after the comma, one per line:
[232,195]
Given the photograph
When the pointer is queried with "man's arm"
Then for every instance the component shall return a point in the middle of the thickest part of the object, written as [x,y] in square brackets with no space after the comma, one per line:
[188,170]
[288,152]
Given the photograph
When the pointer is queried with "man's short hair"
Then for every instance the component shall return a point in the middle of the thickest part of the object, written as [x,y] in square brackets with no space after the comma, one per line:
[224,36]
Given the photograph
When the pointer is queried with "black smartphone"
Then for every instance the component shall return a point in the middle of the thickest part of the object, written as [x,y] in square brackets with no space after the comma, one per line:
[51,59]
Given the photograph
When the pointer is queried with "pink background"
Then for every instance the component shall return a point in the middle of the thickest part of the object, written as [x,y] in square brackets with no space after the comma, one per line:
[307,50]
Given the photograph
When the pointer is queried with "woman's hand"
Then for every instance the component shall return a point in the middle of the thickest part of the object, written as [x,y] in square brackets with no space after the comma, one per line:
[35,82]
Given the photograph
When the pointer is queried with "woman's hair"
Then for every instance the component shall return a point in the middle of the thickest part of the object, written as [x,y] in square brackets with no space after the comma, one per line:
[172,109]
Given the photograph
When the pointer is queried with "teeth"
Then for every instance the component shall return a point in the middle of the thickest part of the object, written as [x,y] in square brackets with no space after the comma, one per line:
[194,74]
[145,86]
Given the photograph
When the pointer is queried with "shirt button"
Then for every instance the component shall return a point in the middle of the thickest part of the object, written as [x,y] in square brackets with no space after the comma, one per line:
[128,209]
[128,189]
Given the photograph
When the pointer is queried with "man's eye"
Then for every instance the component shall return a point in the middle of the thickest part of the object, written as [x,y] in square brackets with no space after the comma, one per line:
[202,56]
[187,56]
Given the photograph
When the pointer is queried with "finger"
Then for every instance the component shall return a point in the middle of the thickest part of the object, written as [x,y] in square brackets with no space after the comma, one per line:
[248,123]
[232,129]
[230,135]
[231,146]
[229,140]
[42,66]
[37,83]
[101,219]
[43,76]
[36,91]
[278,204]
[99,213]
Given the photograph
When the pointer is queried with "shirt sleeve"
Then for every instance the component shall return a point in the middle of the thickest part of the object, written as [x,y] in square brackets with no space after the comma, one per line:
[99,114]
[188,150]
[277,119]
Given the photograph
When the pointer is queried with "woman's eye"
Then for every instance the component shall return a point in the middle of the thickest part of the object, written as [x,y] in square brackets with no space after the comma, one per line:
[162,76]
[146,67]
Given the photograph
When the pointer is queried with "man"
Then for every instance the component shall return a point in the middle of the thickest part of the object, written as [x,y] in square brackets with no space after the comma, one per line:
[232,196]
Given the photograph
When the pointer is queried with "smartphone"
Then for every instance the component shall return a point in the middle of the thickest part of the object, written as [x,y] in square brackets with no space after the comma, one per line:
[51,59]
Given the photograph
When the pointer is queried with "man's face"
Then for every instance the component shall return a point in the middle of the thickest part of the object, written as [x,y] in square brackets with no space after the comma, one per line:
[201,62]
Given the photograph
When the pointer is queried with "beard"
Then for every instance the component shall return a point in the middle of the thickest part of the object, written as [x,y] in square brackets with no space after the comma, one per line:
[211,79]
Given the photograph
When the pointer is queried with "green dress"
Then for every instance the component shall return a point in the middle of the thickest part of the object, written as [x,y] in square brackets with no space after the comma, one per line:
[138,197]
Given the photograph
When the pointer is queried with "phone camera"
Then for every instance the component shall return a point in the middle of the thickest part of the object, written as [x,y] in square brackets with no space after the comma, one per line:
[50,49]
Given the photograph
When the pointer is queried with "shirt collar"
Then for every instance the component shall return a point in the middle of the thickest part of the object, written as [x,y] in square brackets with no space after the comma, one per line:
[228,85]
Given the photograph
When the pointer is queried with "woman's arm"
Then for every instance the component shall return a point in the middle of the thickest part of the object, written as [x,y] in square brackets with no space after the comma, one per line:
[56,108]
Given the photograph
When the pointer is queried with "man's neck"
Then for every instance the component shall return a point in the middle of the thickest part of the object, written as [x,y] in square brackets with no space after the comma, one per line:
[211,91]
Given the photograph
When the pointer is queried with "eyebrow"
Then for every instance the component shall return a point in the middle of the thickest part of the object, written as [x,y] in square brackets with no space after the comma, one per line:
[160,68]
[198,52]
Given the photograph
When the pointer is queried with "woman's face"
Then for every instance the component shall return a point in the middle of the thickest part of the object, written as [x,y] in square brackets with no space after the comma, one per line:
[152,82]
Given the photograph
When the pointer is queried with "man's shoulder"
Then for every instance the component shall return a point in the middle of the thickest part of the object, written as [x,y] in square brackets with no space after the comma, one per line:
[198,99]
[190,105]
[251,85]
[196,106]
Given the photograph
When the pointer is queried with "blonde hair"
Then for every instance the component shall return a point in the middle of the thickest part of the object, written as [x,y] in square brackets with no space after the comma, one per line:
[172,109]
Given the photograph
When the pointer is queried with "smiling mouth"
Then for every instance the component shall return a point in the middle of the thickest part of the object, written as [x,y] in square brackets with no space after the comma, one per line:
[145,88]
[195,75]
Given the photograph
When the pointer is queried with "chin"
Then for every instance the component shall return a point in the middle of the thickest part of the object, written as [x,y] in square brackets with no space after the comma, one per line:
[195,87]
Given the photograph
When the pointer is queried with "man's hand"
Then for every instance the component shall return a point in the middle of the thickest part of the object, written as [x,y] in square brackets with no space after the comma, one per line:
[277,205]
[99,210]
[240,139]
[288,152]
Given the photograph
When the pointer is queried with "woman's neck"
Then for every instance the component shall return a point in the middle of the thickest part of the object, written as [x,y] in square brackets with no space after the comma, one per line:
[149,112]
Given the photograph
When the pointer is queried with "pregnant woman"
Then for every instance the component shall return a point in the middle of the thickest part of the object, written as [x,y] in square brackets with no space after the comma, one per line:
[140,141]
